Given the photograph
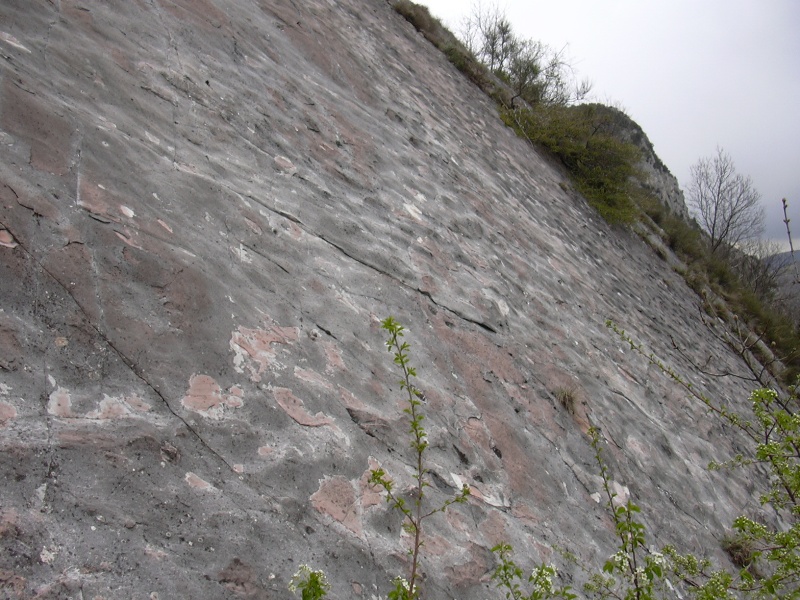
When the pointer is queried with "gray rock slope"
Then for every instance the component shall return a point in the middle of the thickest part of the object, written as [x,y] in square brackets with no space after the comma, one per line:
[206,207]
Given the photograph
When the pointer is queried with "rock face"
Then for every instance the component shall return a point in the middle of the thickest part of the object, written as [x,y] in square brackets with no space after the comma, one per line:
[656,177]
[206,207]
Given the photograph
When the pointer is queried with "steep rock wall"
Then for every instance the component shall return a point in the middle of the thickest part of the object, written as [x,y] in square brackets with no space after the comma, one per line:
[207,207]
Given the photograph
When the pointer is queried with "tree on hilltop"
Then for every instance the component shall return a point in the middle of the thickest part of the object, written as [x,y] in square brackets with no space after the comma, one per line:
[535,72]
[726,204]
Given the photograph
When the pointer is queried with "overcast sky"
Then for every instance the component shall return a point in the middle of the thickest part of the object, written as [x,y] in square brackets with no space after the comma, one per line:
[695,74]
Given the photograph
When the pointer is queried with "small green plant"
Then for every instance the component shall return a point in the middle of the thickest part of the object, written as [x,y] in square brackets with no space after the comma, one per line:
[584,138]
[313,585]
[414,512]
[507,576]
[773,552]
[633,572]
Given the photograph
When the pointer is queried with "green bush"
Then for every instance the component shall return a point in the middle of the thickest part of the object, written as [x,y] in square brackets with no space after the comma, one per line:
[583,138]
[653,208]
[419,16]
[683,238]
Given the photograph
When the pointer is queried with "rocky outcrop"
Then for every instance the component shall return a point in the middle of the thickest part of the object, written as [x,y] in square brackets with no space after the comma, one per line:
[655,178]
[207,207]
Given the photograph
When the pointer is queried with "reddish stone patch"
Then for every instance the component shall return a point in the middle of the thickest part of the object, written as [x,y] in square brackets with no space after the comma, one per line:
[40,126]
[60,404]
[460,522]
[488,494]
[522,511]
[479,434]
[12,351]
[96,200]
[81,437]
[293,406]
[110,408]
[256,344]
[333,357]
[337,499]
[200,12]
[312,377]
[7,412]
[296,232]
[470,572]
[154,552]
[138,404]
[284,164]
[493,528]
[240,579]
[370,495]
[205,396]
[254,226]
[12,582]
[128,237]
[73,266]
[198,483]
[350,401]
[6,239]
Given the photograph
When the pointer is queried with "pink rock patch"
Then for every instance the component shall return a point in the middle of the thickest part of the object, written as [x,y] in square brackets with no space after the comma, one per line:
[337,499]
[60,404]
[253,347]
[7,412]
[110,408]
[39,124]
[479,435]
[127,237]
[285,165]
[312,377]
[137,404]
[295,408]
[471,571]
[370,494]
[350,401]
[198,483]
[156,553]
[205,396]
[95,200]
[333,357]
[493,528]
[6,239]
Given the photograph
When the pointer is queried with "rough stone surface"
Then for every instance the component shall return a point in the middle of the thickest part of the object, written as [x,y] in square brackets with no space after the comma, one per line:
[206,207]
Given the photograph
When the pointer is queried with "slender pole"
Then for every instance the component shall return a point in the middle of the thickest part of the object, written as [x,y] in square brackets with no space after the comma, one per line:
[786,220]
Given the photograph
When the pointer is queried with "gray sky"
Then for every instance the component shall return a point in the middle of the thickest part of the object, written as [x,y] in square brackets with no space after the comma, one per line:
[695,74]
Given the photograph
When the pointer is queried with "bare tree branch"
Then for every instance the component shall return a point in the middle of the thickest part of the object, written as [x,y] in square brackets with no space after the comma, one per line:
[726,203]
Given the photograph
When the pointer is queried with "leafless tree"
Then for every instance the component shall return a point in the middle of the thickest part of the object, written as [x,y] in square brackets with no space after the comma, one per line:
[725,202]
[535,72]
[487,33]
